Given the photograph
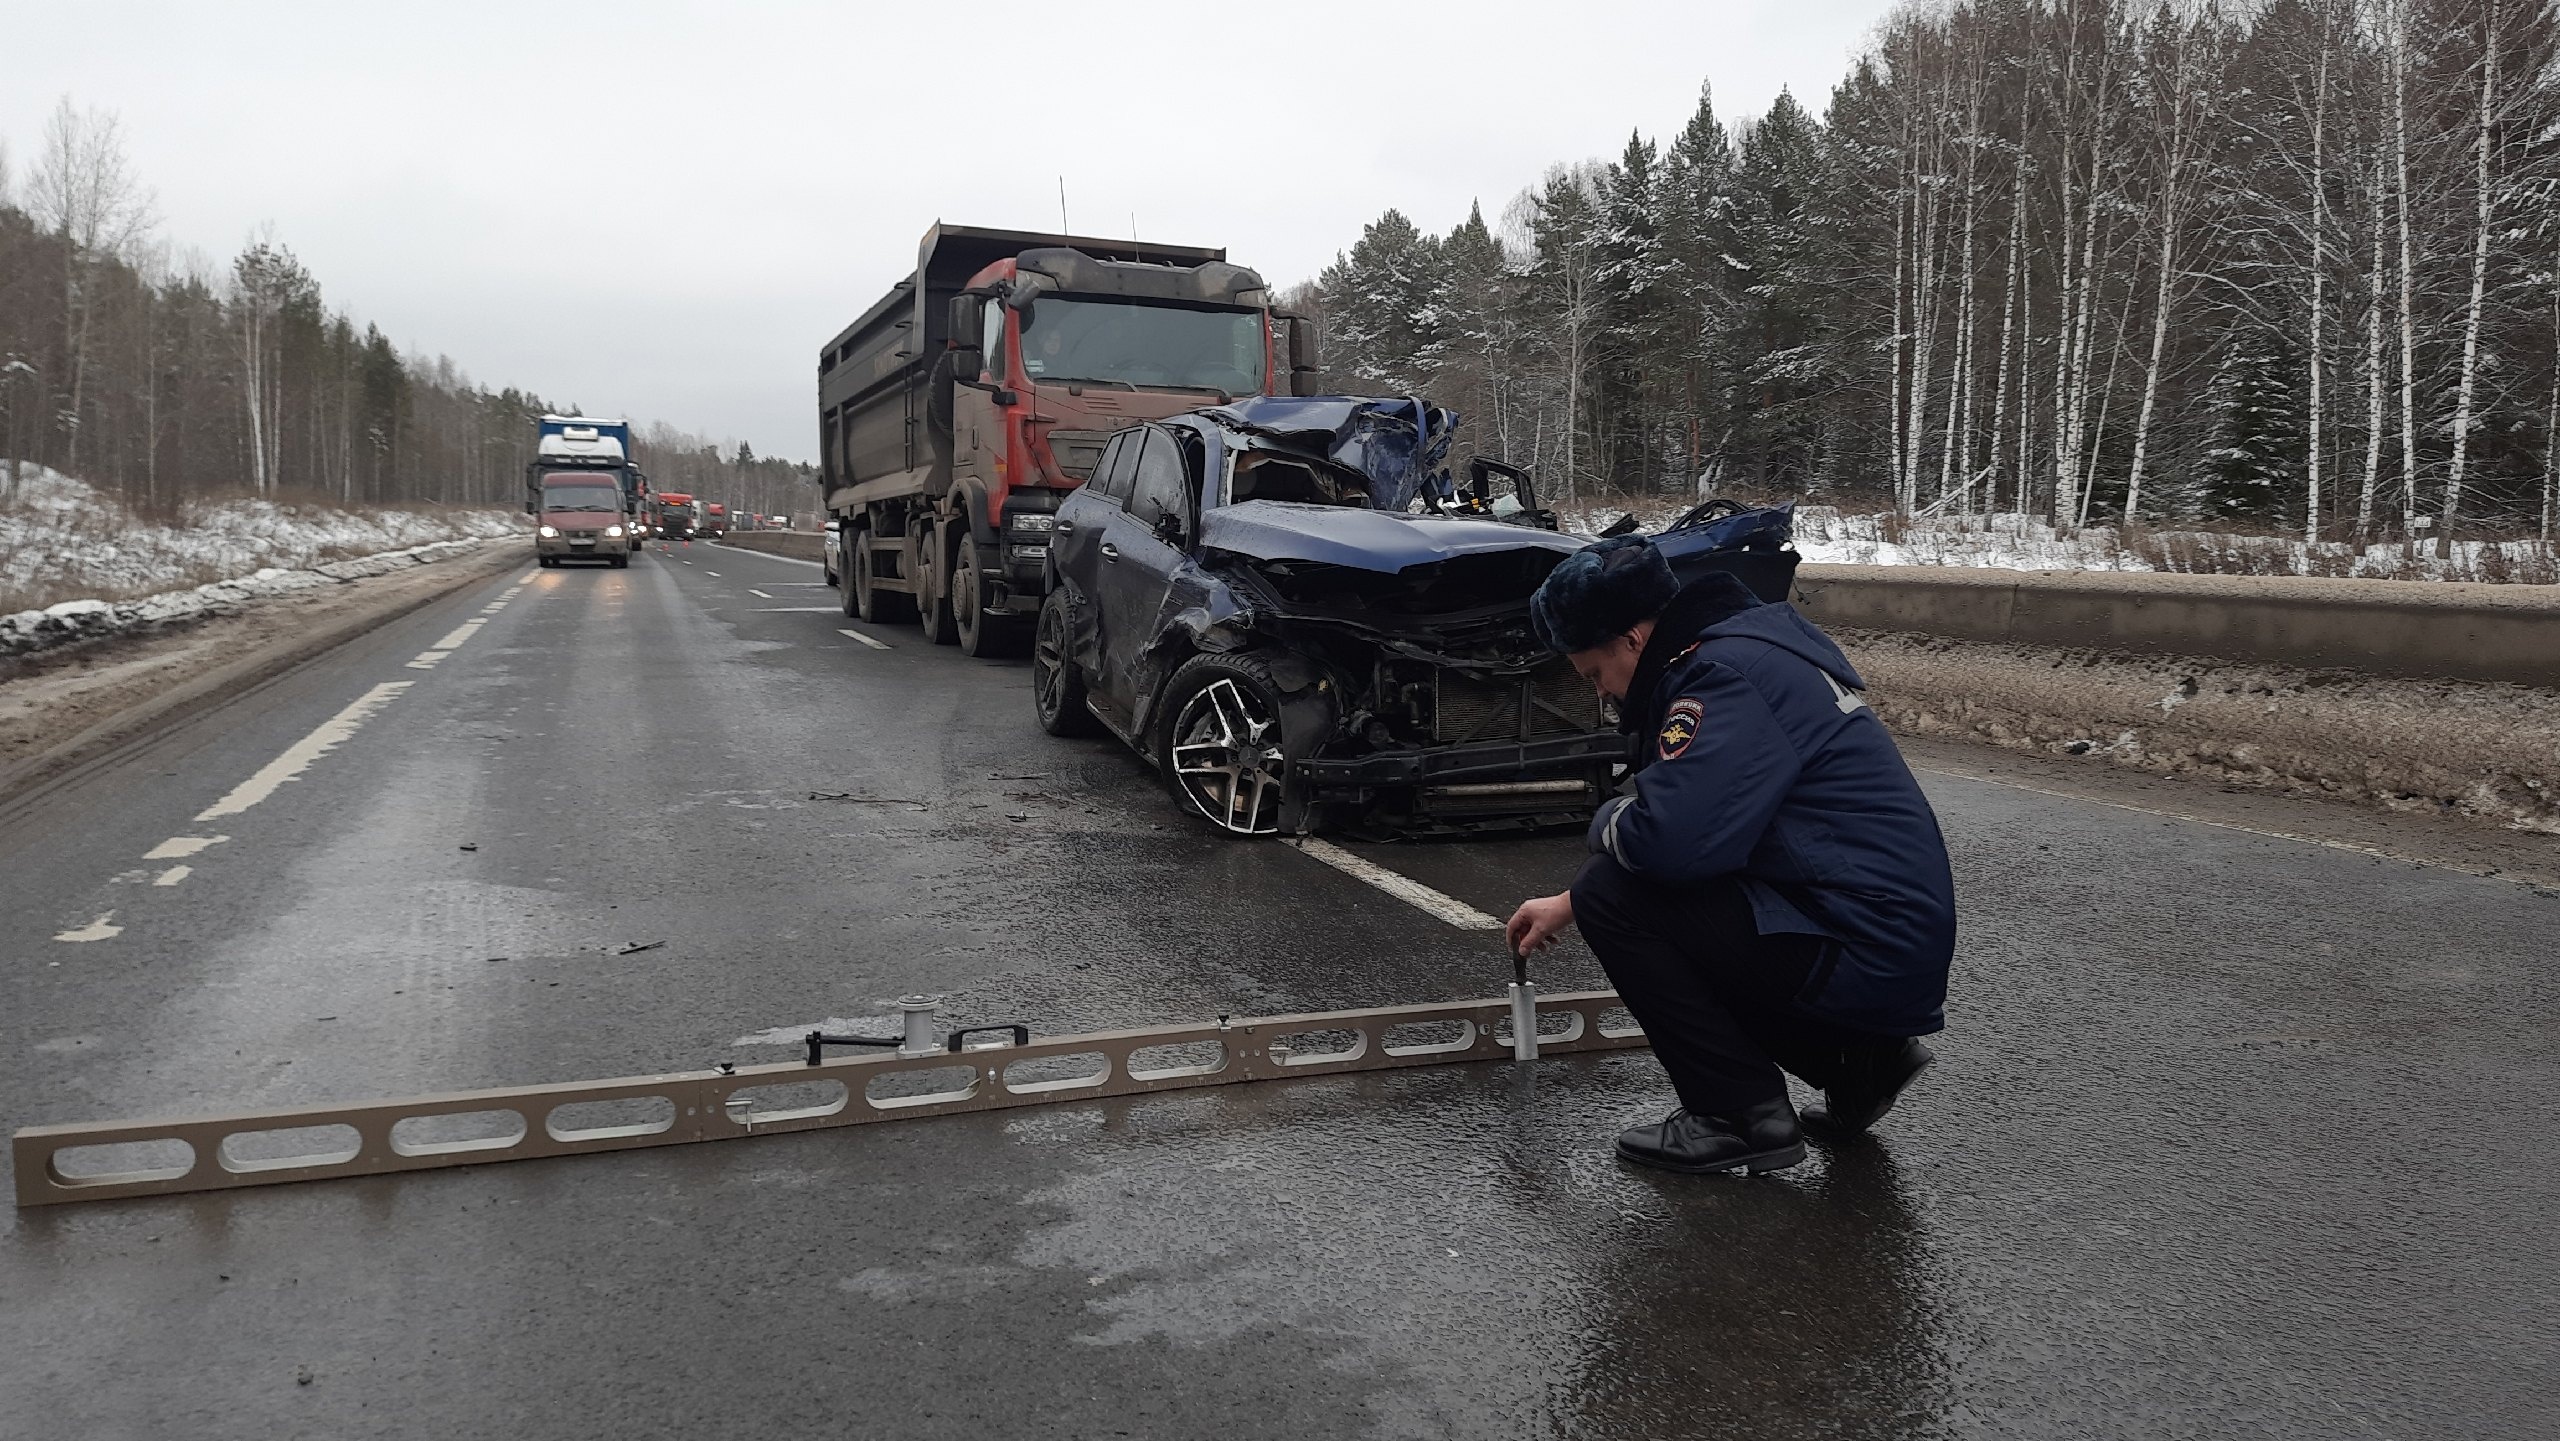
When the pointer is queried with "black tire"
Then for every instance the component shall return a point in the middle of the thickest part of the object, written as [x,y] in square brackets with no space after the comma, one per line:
[546,562]
[983,635]
[933,589]
[1057,687]
[1254,803]
[622,562]
[865,600]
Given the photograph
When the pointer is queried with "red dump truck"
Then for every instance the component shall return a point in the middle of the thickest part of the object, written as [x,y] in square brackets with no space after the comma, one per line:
[963,405]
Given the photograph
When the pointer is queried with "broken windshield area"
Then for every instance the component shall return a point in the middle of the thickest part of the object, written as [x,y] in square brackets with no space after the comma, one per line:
[1264,475]
[1112,343]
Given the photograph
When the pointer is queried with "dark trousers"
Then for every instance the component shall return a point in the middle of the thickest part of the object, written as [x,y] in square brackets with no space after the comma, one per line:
[1712,993]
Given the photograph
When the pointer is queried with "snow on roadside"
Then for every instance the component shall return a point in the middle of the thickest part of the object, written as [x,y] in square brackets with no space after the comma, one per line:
[64,535]
[64,539]
[1826,535]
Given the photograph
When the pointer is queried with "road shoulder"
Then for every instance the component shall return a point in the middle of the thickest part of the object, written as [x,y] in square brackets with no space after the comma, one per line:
[60,713]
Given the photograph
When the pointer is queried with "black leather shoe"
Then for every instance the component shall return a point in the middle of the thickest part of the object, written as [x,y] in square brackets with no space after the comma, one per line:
[1764,1138]
[1854,1105]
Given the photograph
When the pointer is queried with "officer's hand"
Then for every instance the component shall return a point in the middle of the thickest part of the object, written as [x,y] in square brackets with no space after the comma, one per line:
[1534,926]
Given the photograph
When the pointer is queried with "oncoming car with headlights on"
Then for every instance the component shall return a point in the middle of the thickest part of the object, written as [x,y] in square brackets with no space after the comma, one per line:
[580,517]
[1285,606]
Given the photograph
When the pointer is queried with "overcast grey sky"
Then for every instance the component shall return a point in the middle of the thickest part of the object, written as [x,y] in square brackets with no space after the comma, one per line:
[663,209]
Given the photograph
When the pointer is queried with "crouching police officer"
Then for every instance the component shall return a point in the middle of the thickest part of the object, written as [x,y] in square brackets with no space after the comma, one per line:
[1773,894]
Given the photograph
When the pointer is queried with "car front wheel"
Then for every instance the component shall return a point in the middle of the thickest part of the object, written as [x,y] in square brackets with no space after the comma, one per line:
[1222,744]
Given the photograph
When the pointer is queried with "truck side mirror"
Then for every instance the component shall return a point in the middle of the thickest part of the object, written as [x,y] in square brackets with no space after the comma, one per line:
[962,318]
[1304,373]
[966,362]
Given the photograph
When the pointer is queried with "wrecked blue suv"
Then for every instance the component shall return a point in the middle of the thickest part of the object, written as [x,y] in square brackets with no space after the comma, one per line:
[1289,608]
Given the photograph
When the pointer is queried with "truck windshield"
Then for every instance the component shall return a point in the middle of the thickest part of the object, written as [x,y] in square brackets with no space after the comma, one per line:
[1159,345]
[582,497]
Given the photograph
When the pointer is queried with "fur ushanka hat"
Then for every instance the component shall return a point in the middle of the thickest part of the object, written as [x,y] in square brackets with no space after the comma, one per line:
[1601,591]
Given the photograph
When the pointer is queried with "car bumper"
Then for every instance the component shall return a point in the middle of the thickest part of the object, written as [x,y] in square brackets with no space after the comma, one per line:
[564,546]
[1584,756]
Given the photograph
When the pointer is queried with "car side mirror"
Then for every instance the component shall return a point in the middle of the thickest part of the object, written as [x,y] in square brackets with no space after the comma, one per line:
[1169,528]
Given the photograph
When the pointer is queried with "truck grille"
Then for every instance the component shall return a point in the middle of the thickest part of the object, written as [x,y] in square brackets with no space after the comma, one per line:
[1474,708]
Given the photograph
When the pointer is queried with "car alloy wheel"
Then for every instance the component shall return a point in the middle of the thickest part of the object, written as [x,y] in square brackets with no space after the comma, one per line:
[1227,758]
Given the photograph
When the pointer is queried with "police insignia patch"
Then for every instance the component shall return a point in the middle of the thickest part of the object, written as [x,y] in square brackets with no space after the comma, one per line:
[1679,727]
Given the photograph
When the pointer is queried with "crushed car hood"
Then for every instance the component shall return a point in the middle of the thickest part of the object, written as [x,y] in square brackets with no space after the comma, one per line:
[1362,539]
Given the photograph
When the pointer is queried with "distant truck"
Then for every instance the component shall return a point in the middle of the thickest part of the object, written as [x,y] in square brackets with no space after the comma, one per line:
[715,520]
[589,448]
[584,491]
[957,411]
[678,518]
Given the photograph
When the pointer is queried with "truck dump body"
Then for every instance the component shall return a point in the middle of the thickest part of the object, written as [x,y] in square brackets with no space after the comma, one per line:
[872,375]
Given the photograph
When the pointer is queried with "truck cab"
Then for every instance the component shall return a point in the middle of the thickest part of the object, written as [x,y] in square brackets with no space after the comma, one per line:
[961,408]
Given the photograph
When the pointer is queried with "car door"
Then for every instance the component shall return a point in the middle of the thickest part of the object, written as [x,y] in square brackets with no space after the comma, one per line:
[1076,550]
[1139,554]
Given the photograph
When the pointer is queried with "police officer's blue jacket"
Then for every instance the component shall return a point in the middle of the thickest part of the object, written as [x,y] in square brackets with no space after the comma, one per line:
[1760,758]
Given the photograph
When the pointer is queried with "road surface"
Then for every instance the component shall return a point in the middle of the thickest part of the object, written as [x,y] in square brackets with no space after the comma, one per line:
[2232,1135]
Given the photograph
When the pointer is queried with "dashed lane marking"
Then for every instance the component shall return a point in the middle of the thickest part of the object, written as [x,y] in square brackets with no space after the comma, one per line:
[180,847]
[173,875]
[751,590]
[1404,888]
[795,610]
[707,572]
[299,756]
[866,640]
[101,929]
[454,638]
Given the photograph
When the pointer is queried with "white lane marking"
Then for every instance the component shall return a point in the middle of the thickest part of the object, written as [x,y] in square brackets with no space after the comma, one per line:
[799,585]
[866,640]
[173,875]
[177,848]
[299,756]
[1404,888]
[768,555]
[103,928]
[751,590]
[707,572]
[795,610]
[792,1035]
[426,659]
[2350,847]
[528,577]
[454,638]
[493,607]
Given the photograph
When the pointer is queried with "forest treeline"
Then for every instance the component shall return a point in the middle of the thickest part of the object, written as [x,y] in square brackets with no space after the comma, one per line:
[164,377]
[2292,264]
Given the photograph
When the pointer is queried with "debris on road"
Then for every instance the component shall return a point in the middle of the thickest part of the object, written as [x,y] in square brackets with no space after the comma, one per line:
[470,846]
[635,947]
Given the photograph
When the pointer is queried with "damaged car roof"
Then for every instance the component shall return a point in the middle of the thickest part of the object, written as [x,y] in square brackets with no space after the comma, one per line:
[1361,538]
[1397,444]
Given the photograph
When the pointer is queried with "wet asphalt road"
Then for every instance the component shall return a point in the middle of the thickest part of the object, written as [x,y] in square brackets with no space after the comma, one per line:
[2232,1135]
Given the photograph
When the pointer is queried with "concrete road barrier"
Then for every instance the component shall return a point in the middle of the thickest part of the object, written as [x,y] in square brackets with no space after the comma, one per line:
[2427,630]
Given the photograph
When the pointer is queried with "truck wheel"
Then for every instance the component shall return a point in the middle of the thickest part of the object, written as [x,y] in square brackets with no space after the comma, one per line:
[982,634]
[1220,745]
[933,589]
[546,562]
[1057,687]
[862,599]
[622,562]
